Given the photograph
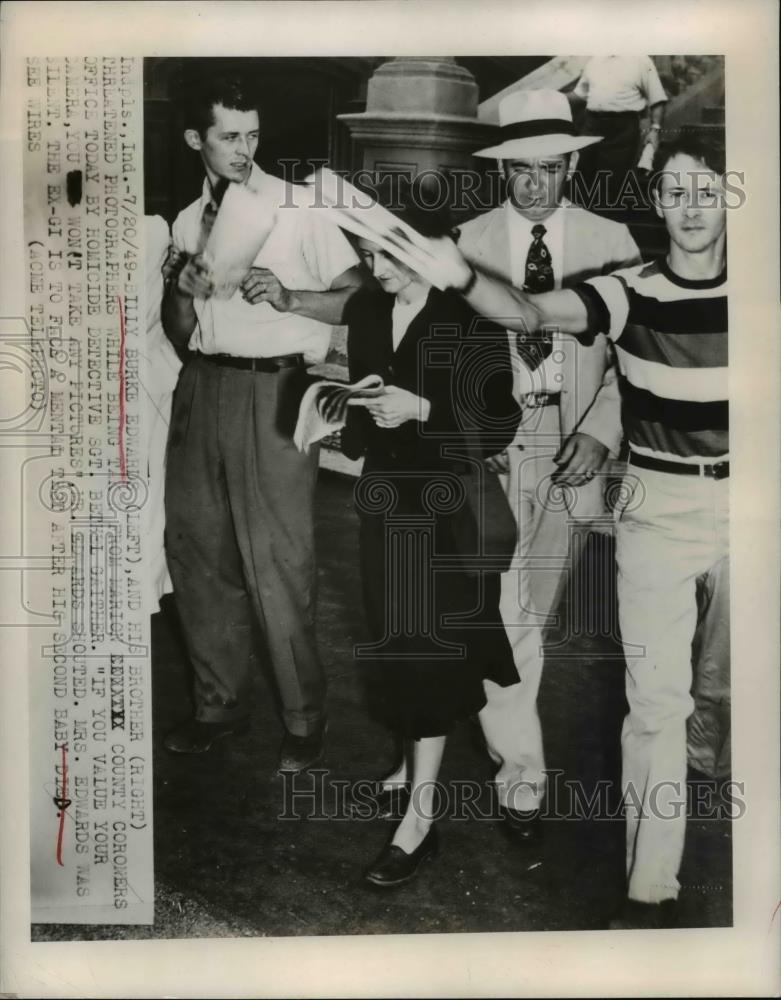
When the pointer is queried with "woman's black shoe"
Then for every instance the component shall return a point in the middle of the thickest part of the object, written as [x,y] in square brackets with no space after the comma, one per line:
[395,867]
[522,827]
[373,800]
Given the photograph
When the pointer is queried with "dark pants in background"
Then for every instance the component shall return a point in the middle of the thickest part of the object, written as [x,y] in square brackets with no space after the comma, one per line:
[616,155]
[240,538]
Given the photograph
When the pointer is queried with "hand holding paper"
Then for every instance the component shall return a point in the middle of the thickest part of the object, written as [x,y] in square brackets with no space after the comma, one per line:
[344,205]
[173,263]
[394,407]
[323,408]
[196,278]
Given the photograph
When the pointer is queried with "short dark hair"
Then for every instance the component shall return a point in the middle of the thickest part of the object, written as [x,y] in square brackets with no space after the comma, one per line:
[233,92]
[691,144]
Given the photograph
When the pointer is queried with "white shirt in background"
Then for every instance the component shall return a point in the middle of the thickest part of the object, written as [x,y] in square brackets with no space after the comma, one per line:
[620,83]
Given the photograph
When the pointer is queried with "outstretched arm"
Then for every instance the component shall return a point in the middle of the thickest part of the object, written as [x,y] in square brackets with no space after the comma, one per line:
[508,306]
[262,285]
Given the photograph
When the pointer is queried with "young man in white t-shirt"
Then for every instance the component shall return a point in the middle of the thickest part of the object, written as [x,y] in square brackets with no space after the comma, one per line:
[668,321]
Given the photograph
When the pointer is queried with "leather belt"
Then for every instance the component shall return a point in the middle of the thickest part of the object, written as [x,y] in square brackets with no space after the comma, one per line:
[614,114]
[534,400]
[271,365]
[720,470]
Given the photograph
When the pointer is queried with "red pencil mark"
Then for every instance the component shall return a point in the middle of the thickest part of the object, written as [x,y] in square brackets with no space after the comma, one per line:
[62,803]
[121,435]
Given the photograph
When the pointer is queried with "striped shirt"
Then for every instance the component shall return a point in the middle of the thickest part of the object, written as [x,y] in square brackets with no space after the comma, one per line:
[670,336]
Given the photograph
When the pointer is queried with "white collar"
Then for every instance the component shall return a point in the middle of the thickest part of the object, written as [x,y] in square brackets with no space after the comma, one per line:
[255,178]
[554,224]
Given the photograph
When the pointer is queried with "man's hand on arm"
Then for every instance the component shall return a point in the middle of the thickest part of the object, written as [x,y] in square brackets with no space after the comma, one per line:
[580,459]
[262,285]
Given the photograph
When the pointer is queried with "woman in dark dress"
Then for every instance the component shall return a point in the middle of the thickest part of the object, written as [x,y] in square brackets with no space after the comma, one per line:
[443,379]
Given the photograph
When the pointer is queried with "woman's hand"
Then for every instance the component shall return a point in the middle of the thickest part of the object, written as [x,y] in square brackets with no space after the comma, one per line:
[394,407]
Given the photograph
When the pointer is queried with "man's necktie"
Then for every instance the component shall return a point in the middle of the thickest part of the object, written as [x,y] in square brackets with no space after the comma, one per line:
[538,278]
[210,213]
[207,224]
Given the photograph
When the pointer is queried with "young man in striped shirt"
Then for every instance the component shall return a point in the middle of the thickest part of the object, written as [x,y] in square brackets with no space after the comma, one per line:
[668,322]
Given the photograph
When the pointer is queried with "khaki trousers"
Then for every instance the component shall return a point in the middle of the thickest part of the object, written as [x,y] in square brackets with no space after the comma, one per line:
[672,545]
[530,590]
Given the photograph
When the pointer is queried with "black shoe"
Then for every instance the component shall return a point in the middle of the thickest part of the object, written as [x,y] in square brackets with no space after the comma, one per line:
[524,827]
[395,867]
[300,752]
[373,800]
[635,915]
[195,736]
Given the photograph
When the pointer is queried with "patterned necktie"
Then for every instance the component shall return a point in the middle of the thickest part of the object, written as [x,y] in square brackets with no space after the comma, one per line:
[538,278]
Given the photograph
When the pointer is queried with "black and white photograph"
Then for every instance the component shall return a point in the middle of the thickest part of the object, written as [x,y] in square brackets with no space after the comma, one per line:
[380,551]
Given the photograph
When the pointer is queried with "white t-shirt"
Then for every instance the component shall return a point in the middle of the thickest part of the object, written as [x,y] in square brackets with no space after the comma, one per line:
[620,83]
[304,252]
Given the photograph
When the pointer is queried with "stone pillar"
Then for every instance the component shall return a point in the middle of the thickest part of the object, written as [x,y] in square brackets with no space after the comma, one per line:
[421,114]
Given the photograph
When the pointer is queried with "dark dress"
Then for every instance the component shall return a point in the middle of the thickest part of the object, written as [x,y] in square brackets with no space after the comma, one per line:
[435,629]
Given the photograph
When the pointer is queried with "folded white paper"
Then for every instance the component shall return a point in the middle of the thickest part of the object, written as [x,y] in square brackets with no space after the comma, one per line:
[243,224]
[323,409]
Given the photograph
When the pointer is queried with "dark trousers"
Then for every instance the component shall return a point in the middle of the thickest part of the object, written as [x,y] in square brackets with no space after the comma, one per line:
[240,539]
[614,158]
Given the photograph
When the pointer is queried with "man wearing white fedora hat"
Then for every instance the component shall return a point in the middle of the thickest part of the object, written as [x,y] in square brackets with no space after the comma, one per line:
[571,423]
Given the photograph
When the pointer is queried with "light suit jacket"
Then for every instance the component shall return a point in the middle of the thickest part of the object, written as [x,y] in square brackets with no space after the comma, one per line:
[590,400]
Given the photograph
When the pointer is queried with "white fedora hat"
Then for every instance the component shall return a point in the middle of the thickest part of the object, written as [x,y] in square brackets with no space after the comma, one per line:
[536,123]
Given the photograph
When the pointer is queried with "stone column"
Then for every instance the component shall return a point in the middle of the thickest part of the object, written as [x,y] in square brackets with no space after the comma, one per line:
[421,115]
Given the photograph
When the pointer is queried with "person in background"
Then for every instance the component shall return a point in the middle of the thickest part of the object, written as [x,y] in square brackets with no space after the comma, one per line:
[571,423]
[239,494]
[668,321]
[437,634]
[617,91]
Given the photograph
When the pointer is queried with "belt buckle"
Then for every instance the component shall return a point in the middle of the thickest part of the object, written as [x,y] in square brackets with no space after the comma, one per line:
[535,399]
[720,470]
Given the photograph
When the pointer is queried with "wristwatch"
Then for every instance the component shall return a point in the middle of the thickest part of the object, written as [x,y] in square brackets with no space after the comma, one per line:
[467,288]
